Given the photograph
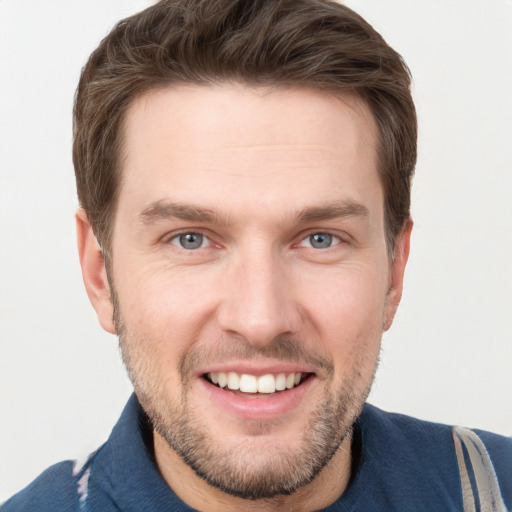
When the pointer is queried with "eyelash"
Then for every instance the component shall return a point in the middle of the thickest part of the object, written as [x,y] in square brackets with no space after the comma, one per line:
[335,239]
[175,238]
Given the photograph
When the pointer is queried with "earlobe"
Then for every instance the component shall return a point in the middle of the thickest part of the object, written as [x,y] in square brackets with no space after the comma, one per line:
[397,271]
[94,272]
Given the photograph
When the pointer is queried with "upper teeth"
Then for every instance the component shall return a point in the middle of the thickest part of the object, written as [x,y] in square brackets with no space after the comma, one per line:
[246,383]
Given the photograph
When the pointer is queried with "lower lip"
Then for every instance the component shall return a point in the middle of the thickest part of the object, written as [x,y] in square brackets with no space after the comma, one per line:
[257,407]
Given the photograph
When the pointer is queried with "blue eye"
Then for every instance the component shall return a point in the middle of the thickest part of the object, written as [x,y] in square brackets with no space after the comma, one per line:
[190,241]
[320,241]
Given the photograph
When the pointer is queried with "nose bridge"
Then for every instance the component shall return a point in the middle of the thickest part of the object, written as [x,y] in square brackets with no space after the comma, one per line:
[259,303]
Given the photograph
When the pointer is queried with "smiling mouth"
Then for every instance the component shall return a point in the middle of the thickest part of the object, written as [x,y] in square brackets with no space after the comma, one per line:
[244,384]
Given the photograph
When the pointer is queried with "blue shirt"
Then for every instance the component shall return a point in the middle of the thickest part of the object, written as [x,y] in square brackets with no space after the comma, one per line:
[399,463]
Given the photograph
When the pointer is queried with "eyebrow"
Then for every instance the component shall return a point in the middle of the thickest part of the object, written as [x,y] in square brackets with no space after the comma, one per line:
[162,210]
[332,211]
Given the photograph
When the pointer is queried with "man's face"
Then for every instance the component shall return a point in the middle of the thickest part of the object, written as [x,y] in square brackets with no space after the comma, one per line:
[249,247]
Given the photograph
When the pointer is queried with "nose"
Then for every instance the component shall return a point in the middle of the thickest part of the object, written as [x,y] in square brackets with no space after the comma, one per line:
[259,300]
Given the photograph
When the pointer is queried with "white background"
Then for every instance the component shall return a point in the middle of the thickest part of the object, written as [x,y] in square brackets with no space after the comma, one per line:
[448,357]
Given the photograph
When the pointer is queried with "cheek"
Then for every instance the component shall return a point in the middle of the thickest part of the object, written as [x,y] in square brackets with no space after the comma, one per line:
[166,309]
[351,298]
[346,309]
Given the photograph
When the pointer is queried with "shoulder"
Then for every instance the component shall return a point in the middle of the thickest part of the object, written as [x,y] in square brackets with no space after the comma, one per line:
[434,439]
[426,433]
[407,447]
[499,446]
[399,432]
[435,458]
[62,487]
[54,490]
[485,463]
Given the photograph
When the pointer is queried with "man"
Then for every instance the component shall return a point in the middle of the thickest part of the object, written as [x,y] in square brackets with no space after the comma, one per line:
[244,172]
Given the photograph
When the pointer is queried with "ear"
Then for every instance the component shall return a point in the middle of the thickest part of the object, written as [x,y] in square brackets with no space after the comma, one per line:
[397,270]
[94,272]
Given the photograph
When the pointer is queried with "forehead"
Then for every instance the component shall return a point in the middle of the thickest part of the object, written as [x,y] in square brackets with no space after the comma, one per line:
[228,146]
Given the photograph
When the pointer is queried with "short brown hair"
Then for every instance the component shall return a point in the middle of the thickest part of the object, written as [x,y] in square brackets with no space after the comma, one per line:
[310,43]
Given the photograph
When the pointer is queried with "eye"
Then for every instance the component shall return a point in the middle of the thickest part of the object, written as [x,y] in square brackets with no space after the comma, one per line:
[320,241]
[190,241]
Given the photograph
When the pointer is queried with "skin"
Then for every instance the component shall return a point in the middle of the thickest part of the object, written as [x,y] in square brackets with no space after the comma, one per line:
[274,166]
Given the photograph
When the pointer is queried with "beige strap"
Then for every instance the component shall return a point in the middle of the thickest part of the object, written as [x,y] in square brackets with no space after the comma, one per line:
[487,486]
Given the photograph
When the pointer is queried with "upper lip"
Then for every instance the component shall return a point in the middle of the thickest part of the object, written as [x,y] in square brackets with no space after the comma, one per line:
[257,368]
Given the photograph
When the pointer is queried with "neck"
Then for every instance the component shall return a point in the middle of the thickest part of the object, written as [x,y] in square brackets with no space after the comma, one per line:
[324,490]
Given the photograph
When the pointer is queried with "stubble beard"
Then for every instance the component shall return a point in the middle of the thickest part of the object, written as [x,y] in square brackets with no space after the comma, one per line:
[253,471]
[238,470]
